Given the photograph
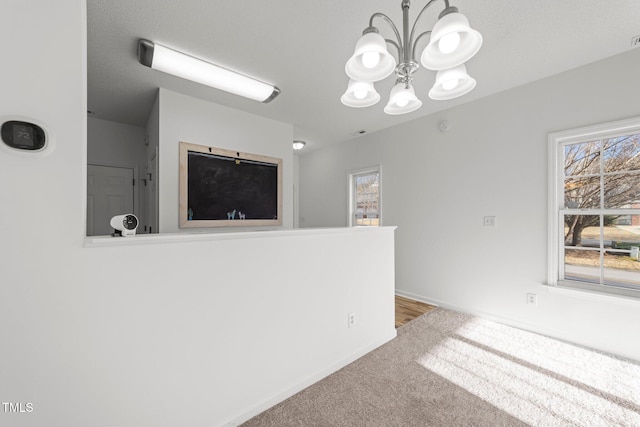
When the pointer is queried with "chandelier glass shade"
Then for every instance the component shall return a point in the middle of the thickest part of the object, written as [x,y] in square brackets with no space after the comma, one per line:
[452,83]
[402,99]
[360,94]
[452,42]
[371,61]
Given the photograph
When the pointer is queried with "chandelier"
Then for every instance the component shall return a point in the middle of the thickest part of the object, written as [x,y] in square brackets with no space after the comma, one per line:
[452,42]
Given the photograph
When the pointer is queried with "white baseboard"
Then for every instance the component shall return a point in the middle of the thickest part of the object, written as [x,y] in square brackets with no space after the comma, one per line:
[308,381]
[415,297]
[530,327]
[489,316]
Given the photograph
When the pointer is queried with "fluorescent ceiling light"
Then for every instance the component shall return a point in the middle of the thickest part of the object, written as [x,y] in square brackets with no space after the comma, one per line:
[170,61]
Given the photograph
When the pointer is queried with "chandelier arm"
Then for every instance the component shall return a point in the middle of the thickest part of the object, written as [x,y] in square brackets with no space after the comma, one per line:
[394,28]
[396,45]
[415,23]
[413,52]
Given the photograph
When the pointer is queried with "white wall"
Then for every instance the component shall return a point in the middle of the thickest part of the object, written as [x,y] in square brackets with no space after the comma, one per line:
[162,333]
[42,215]
[183,118]
[438,186]
[115,144]
[218,329]
[153,128]
[152,166]
[296,191]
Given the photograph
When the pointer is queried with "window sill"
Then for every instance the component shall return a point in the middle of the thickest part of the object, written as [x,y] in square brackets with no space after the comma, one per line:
[591,292]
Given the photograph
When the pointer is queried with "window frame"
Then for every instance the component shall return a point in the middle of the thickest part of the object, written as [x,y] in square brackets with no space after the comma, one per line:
[351,175]
[556,209]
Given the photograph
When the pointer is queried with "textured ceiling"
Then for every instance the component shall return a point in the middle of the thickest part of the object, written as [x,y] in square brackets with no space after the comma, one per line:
[301,46]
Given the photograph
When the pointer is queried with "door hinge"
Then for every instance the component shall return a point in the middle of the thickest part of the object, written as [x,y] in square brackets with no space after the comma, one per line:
[134,182]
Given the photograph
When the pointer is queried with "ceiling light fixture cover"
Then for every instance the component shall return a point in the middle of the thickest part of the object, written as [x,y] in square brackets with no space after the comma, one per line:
[371,61]
[298,145]
[402,99]
[452,83]
[360,94]
[452,42]
[467,45]
[162,58]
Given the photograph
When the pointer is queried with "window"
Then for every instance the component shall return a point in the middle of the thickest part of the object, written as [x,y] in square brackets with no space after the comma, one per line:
[364,196]
[594,208]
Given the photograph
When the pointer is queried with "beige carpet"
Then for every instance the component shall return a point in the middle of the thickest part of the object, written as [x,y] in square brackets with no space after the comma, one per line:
[452,369]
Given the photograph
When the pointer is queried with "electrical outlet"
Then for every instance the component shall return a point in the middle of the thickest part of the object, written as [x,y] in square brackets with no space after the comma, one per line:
[352,320]
[532,299]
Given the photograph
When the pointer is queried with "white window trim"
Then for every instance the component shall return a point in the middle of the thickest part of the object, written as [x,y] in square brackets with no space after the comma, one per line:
[350,176]
[556,199]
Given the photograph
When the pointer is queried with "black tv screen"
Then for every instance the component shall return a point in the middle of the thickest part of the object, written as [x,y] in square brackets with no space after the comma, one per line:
[225,188]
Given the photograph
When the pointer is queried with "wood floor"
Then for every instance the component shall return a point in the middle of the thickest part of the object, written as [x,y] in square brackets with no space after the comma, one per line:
[408,309]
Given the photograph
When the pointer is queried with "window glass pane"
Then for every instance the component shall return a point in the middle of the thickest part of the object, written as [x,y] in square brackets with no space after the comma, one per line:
[367,199]
[620,251]
[582,230]
[582,158]
[621,153]
[582,193]
[582,265]
[622,190]
[620,236]
[621,269]
[621,266]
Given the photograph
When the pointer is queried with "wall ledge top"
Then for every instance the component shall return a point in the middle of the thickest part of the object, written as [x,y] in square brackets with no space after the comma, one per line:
[151,239]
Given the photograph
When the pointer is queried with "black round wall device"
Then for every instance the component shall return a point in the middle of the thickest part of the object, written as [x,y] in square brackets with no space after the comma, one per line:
[21,135]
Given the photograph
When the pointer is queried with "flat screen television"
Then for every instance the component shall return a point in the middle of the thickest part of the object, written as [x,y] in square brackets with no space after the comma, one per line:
[224,188]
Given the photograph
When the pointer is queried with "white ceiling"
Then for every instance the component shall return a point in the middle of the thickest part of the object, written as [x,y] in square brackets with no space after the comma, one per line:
[301,46]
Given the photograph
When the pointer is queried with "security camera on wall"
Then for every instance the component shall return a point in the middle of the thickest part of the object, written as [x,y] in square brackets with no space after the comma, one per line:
[124,225]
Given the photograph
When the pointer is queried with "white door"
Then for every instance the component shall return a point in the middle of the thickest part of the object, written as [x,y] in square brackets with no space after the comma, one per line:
[109,193]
